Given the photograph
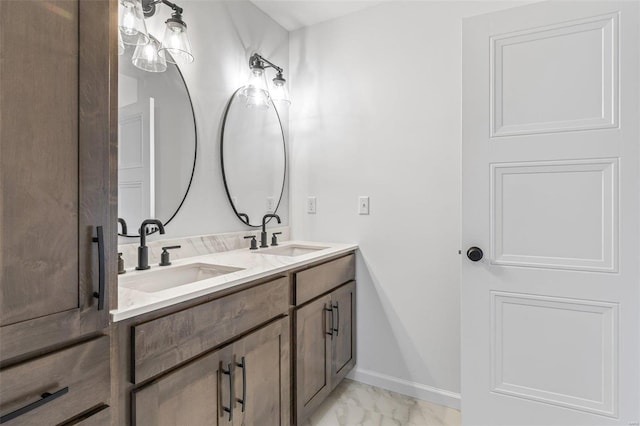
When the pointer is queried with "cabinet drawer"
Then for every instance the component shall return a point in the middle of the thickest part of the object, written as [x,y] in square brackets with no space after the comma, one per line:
[168,341]
[313,282]
[77,379]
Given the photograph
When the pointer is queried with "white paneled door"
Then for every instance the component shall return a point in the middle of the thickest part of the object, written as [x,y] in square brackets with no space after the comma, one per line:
[550,313]
[136,160]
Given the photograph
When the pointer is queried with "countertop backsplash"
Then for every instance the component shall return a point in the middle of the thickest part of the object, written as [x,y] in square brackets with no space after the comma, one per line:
[196,246]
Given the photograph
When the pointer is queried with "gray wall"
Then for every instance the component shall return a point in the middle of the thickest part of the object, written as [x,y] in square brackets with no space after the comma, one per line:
[376,111]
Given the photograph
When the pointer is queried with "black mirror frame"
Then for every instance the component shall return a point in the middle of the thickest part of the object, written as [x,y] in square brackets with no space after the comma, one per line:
[224,176]
[195,158]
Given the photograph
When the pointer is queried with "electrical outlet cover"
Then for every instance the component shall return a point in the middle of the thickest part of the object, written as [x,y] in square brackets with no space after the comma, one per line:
[311,205]
[363,205]
[271,204]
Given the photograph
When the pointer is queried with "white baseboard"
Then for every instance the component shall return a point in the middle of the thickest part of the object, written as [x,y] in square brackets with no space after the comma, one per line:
[405,387]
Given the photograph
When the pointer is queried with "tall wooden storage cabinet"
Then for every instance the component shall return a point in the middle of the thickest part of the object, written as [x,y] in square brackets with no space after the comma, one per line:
[58,204]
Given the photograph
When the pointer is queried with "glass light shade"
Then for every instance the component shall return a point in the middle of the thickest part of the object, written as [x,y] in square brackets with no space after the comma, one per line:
[279,91]
[120,44]
[255,91]
[146,58]
[176,43]
[131,22]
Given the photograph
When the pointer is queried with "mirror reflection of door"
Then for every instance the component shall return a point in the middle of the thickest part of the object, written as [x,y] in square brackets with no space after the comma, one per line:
[157,140]
[136,171]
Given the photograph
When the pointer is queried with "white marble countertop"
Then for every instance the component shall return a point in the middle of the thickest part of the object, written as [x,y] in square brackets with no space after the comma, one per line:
[254,263]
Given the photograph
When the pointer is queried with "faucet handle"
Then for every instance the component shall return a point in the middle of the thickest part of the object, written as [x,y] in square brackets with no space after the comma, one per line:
[165,259]
[254,243]
[121,269]
[274,238]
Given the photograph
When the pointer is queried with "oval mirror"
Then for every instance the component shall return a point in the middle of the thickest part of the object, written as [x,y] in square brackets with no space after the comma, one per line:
[253,156]
[157,143]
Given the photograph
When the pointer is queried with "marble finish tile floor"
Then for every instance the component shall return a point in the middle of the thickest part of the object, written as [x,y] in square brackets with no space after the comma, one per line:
[353,403]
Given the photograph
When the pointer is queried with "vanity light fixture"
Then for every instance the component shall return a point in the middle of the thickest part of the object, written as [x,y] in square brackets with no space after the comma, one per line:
[131,22]
[279,92]
[176,40]
[175,46]
[256,91]
[148,58]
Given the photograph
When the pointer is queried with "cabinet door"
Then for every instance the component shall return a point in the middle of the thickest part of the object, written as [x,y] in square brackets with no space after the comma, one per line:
[313,353]
[343,356]
[262,376]
[194,394]
[55,176]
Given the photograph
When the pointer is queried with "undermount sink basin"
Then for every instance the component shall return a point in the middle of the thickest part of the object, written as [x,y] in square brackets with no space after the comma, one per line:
[292,250]
[163,279]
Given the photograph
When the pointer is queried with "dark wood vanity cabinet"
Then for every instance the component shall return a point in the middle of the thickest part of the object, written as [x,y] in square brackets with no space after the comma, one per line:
[262,376]
[244,383]
[189,395]
[220,359]
[343,302]
[313,356]
[58,62]
[324,331]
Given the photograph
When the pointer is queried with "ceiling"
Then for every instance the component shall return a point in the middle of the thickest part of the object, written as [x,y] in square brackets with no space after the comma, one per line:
[294,14]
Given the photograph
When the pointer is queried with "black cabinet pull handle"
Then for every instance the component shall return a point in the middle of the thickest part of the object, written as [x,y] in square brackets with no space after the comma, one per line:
[337,323]
[100,293]
[243,401]
[330,309]
[230,408]
[45,397]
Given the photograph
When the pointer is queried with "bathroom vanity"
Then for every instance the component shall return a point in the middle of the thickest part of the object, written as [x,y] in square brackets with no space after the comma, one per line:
[262,343]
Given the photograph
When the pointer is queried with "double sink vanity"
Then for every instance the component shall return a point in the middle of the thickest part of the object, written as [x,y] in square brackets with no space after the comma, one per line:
[237,337]
[250,336]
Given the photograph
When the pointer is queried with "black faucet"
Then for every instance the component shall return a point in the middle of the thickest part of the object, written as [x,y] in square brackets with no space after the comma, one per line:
[263,234]
[123,223]
[143,251]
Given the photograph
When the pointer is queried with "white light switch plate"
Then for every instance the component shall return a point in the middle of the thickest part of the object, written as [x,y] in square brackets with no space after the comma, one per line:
[363,205]
[271,204]
[311,205]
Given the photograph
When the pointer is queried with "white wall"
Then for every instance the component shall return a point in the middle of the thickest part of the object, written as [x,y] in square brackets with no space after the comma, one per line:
[223,35]
[376,111]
